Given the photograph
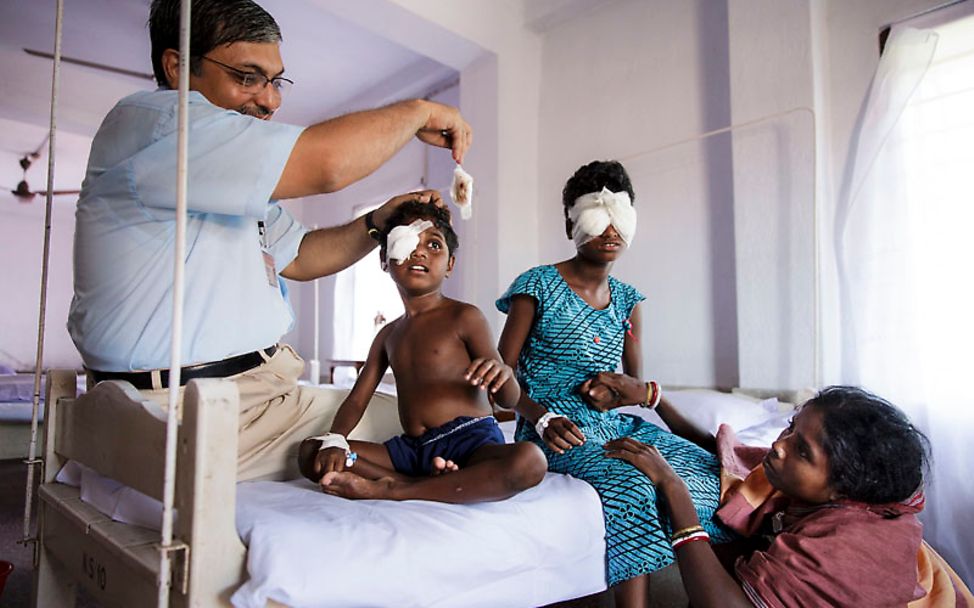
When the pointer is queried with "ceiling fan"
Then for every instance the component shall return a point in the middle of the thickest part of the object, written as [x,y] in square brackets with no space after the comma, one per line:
[23,191]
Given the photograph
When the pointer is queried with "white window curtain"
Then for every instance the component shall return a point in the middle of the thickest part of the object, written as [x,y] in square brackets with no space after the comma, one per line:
[905,250]
[365,300]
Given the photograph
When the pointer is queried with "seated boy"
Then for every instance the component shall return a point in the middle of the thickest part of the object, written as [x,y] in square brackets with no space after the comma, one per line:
[445,362]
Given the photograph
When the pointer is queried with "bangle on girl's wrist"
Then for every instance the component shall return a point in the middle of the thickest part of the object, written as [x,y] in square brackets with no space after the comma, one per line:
[654,392]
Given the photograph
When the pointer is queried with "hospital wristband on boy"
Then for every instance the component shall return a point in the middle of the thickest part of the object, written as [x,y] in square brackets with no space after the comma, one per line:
[654,392]
[543,422]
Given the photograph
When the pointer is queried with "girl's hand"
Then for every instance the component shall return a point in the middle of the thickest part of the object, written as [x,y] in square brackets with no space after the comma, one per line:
[644,457]
[562,435]
[608,390]
[488,374]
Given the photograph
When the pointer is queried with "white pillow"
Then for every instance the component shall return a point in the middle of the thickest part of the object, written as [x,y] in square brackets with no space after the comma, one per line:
[708,409]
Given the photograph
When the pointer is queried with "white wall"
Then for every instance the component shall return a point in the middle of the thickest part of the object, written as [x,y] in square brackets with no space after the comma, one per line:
[774,186]
[499,60]
[633,77]
[21,247]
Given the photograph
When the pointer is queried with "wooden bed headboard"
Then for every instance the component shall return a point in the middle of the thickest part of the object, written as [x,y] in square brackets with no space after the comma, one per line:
[117,432]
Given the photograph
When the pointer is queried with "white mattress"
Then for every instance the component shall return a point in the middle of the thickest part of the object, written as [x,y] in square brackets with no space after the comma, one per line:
[307,548]
[544,545]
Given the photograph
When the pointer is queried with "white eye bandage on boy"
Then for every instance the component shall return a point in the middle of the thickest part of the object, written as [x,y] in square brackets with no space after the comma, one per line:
[403,240]
[593,212]
[462,192]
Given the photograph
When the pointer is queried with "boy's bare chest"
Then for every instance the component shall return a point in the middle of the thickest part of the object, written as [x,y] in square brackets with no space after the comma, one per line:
[427,348]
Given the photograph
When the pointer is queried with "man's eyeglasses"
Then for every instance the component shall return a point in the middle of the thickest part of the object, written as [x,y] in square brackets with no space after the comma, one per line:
[253,82]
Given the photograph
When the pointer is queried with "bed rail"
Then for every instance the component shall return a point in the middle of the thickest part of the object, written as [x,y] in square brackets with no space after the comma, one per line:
[117,432]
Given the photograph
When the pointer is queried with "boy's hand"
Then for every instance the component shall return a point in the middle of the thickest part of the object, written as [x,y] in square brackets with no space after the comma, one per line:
[488,374]
[562,435]
[328,460]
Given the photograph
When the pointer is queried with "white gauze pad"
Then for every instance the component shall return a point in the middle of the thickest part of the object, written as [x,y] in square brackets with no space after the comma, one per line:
[403,240]
[462,192]
[593,212]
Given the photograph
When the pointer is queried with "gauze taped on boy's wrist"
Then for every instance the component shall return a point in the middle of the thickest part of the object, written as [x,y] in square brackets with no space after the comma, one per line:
[332,440]
[403,240]
[337,440]
[592,213]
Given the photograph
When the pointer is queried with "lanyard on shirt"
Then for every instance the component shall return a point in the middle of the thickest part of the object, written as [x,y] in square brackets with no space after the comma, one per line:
[269,268]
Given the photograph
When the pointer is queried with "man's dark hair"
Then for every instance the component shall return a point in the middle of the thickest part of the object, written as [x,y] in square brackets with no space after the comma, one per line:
[410,211]
[213,23]
[875,454]
[593,177]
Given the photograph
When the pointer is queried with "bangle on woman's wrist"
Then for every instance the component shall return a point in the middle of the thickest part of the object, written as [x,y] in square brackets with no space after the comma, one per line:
[654,392]
[700,534]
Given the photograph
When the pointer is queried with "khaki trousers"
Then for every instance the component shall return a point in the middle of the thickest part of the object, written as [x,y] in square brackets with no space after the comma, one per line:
[275,415]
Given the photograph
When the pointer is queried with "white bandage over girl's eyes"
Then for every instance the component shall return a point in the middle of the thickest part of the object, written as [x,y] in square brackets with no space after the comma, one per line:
[595,211]
[403,240]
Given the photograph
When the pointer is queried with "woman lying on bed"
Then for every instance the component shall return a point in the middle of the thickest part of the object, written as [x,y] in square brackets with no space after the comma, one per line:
[829,512]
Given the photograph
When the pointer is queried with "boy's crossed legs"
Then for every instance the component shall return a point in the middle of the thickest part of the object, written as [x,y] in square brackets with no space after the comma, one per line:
[405,468]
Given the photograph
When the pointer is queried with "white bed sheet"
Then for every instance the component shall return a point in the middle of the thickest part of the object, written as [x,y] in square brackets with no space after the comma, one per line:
[307,548]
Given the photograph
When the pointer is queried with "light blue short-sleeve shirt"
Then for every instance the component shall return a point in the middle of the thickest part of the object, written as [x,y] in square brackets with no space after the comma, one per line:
[121,313]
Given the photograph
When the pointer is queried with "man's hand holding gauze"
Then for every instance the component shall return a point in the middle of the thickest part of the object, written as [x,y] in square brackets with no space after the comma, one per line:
[462,192]
[403,240]
[593,212]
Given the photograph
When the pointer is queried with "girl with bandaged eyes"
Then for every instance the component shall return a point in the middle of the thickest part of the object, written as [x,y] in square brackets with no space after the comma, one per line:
[569,326]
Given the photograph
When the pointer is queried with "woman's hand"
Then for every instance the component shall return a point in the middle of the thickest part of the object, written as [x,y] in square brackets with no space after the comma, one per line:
[608,390]
[644,457]
[561,435]
[488,374]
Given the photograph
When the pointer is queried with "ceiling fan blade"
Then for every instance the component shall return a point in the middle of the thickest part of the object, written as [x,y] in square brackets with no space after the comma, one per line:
[92,64]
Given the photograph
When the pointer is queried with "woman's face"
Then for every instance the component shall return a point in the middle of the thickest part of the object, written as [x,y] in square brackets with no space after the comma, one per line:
[797,464]
[607,247]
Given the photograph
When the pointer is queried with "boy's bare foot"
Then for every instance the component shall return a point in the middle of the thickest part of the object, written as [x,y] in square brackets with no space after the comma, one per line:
[350,485]
[441,466]
[307,453]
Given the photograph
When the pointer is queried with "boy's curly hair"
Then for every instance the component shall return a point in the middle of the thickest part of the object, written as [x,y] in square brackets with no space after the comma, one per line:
[410,211]
[593,177]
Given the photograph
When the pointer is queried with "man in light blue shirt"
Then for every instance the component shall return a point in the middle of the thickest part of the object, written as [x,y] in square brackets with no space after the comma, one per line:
[239,241]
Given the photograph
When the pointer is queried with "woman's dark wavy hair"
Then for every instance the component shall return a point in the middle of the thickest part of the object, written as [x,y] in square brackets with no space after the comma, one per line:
[410,211]
[875,453]
[593,177]
[213,23]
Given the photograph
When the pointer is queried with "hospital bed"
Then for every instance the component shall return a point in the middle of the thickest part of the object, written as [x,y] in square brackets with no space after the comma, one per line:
[16,406]
[305,547]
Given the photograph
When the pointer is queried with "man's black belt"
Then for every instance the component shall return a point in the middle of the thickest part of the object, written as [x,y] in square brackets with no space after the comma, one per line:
[217,369]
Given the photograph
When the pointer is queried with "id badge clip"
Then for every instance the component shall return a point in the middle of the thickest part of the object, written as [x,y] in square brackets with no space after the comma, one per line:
[269,268]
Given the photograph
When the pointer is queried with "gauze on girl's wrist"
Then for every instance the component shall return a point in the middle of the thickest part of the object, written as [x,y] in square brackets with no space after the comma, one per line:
[403,240]
[592,213]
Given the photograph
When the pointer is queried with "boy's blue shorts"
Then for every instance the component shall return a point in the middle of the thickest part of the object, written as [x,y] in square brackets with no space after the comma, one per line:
[456,440]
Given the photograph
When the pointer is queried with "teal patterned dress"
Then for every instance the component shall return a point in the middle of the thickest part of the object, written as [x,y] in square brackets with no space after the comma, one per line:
[569,343]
